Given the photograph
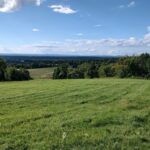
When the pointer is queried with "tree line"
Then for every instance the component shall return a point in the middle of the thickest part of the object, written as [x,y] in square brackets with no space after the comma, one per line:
[125,67]
[31,62]
[11,73]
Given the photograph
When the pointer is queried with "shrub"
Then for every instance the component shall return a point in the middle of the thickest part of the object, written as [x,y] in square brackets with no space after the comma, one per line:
[61,72]
[2,69]
[75,74]
[13,74]
[106,71]
[92,71]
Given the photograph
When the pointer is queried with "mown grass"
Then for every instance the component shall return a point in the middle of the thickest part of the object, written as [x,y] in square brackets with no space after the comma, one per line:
[100,114]
[41,73]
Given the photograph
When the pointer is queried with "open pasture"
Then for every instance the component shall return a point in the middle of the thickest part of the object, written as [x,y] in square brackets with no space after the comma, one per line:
[100,114]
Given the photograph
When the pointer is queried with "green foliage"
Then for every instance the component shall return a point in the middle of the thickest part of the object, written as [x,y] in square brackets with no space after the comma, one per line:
[135,66]
[121,71]
[2,69]
[92,71]
[75,74]
[12,74]
[61,72]
[105,114]
[82,71]
[106,71]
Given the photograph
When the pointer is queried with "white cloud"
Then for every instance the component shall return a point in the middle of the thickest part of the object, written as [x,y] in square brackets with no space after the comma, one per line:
[98,25]
[12,5]
[35,30]
[147,39]
[79,34]
[122,6]
[107,46]
[131,4]
[62,9]
[39,2]
[148,28]
[9,5]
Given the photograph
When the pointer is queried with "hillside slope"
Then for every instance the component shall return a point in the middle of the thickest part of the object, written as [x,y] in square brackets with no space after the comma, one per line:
[75,114]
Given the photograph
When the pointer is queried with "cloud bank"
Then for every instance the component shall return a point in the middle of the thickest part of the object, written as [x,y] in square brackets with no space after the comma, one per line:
[110,46]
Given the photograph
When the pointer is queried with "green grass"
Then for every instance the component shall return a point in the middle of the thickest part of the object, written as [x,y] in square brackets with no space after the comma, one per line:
[41,73]
[100,114]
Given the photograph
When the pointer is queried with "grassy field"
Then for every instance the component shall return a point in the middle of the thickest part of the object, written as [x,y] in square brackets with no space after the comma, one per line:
[100,114]
[41,73]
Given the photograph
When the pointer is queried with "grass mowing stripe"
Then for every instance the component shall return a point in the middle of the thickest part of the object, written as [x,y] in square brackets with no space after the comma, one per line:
[75,114]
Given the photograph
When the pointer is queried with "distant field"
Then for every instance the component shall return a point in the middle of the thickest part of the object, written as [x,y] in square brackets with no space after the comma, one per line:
[41,73]
[100,114]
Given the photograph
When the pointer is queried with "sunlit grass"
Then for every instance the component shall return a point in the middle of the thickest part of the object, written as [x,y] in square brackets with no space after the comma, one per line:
[41,73]
[75,114]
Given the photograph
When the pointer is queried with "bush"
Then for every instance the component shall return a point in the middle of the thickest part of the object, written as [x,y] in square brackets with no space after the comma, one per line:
[75,74]
[2,69]
[92,71]
[13,74]
[61,72]
[121,71]
[106,71]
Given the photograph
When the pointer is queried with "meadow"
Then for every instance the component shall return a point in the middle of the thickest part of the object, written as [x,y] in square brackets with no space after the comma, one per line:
[90,114]
[41,73]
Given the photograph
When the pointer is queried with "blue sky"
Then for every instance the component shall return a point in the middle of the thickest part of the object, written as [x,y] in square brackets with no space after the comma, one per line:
[75,27]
